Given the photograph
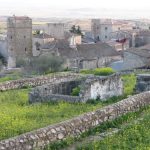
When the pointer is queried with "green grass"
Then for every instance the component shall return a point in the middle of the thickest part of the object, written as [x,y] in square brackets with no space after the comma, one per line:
[99,71]
[17,116]
[135,136]
[131,135]
[129,84]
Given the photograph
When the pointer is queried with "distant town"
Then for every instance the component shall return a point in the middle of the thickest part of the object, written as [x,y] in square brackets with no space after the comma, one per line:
[85,44]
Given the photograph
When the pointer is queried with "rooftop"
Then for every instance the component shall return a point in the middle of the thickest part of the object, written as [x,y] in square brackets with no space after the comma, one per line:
[143,51]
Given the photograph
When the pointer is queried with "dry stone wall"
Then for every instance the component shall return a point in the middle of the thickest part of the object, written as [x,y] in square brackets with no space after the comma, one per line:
[33,82]
[74,127]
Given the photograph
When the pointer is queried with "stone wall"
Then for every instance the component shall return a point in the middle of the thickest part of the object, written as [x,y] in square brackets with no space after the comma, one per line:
[92,87]
[74,127]
[55,91]
[102,87]
[142,83]
[32,82]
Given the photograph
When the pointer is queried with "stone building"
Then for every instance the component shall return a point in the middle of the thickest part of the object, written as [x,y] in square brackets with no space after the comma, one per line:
[101,29]
[56,30]
[137,58]
[84,56]
[19,38]
[39,43]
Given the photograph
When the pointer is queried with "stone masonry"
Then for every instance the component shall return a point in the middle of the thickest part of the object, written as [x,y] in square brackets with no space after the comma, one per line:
[19,38]
[92,87]
[37,81]
[74,127]
[142,83]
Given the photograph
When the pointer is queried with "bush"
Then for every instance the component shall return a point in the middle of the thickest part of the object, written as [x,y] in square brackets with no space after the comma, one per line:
[41,64]
[99,71]
[104,71]
[86,71]
[75,91]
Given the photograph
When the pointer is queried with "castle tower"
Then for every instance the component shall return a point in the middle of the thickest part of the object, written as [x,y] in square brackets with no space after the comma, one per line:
[56,30]
[19,38]
[101,29]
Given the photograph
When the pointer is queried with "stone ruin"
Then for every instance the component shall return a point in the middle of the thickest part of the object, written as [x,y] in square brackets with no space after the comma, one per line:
[91,87]
[142,83]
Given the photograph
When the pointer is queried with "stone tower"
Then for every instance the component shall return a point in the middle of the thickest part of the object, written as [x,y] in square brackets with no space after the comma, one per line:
[56,30]
[95,29]
[101,29]
[19,38]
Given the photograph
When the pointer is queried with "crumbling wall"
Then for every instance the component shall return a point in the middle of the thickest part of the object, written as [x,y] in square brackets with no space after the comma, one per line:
[102,87]
[142,83]
[74,127]
[92,87]
[55,92]
[33,82]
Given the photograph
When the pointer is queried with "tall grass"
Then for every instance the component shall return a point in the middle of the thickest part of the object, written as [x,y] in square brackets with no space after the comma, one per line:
[17,116]
[135,136]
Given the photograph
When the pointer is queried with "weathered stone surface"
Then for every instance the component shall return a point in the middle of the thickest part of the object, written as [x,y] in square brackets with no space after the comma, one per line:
[73,127]
[92,87]
[37,81]
[143,83]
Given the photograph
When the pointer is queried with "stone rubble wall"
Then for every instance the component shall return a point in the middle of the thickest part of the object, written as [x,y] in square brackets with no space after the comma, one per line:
[33,82]
[74,127]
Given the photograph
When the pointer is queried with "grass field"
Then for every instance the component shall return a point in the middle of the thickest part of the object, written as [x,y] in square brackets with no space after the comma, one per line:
[17,116]
[133,136]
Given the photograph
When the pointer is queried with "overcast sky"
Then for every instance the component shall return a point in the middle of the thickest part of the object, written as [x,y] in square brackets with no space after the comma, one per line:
[77,8]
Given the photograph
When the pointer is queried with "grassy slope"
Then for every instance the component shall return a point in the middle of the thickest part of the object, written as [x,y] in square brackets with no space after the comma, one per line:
[17,116]
[135,136]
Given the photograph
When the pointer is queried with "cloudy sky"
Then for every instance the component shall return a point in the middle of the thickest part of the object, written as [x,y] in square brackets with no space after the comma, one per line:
[77,8]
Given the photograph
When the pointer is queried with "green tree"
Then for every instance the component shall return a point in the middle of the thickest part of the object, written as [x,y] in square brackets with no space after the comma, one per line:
[76,30]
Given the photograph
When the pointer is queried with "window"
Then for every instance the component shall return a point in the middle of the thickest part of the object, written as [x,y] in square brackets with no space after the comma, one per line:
[24,36]
[10,37]
[119,28]
[25,49]
[105,36]
[106,28]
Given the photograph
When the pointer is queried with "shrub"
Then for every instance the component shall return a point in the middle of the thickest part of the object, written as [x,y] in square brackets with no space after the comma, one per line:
[86,71]
[99,71]
[75,91]
[41,65]
[104,71]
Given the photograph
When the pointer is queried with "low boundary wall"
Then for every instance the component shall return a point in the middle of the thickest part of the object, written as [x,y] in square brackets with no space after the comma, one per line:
[74,127]
[37,81]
